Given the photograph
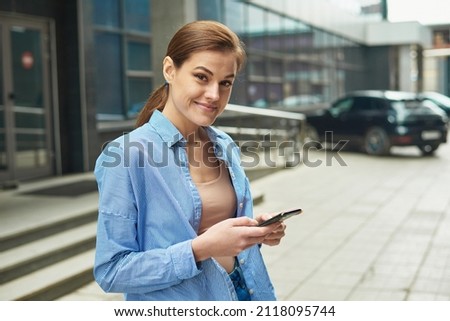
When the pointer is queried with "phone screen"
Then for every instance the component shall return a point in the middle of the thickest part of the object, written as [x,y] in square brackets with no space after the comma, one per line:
[281,217]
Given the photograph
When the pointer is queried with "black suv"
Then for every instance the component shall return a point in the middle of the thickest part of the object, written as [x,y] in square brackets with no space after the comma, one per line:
[376,120]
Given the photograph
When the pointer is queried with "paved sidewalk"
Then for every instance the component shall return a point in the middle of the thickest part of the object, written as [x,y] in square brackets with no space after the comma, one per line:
[376,229]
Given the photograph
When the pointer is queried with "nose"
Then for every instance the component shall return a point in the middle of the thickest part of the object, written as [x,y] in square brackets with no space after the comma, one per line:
[212,92]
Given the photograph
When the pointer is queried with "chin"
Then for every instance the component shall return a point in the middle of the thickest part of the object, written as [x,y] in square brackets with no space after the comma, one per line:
[206,121]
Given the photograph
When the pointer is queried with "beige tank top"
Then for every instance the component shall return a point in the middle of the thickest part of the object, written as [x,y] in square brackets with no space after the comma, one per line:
[218,204]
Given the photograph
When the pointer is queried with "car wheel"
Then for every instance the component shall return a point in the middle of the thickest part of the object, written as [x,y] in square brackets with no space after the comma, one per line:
[428,149]
[376,142]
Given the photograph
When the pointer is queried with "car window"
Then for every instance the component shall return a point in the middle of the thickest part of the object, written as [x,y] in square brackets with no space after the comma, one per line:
[363,104]
[414,105]
[341,106]
[407,104]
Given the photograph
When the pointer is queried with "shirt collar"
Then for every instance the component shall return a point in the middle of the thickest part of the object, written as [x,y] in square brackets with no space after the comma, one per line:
[171,135]
[165,129]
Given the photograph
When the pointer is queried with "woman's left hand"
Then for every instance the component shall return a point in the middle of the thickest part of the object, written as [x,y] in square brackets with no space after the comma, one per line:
[273,238]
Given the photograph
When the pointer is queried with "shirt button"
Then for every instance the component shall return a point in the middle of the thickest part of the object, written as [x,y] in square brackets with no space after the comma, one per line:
[241,205]
[241,262]
[251,291]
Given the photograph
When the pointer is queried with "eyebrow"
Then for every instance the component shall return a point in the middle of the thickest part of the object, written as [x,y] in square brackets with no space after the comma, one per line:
[211,73]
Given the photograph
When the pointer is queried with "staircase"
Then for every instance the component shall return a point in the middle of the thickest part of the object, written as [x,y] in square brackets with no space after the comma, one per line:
[47,244]
[48,261]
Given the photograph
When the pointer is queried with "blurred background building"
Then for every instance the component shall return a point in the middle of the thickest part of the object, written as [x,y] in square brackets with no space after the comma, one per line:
[74,73]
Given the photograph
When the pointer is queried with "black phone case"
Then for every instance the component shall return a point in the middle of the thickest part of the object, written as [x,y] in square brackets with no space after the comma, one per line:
[281,217]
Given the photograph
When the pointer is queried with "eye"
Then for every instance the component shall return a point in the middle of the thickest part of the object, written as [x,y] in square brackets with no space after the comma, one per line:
[201,77]
[226,83]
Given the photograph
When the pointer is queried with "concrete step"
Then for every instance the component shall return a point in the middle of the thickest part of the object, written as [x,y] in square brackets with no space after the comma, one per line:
[27,258]
[53,281]
[57,224]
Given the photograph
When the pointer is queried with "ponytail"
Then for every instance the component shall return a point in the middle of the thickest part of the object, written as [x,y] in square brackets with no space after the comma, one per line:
[157,100]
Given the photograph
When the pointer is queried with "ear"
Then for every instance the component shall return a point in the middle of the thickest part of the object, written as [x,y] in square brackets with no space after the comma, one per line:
[168,69]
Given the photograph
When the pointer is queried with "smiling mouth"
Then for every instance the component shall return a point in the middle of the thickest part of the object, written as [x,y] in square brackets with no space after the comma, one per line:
[207,106]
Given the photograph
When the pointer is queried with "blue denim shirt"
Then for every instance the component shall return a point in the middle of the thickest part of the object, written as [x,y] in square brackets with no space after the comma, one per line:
[149,213]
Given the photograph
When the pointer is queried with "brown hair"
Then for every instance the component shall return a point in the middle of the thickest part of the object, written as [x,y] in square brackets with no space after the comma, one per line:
[193,37]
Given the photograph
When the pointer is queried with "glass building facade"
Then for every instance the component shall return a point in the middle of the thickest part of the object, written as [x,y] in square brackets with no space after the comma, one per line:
[290,63]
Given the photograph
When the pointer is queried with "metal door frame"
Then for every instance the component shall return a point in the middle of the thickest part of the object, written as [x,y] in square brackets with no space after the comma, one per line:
[48,52]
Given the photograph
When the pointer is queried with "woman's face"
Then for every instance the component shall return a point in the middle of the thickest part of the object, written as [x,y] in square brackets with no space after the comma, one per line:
[200,89]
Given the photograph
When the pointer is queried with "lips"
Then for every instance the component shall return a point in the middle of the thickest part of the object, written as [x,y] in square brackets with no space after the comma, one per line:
[206,106]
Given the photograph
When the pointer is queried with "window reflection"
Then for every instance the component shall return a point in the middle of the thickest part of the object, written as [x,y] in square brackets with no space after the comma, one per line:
[137,13]
[138,90]
[107,12]
[209,9]
[138,56]
[235,16]
[108,74]
[27,67]
[122,50]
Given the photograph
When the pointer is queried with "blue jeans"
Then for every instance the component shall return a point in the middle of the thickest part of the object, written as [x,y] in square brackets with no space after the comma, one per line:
[237,278]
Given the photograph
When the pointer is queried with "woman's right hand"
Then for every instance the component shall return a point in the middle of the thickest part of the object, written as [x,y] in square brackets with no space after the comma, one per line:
[230,237]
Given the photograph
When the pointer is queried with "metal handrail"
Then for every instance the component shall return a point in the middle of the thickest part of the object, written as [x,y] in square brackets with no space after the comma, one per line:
[265,112]
[252,126]
[296,125]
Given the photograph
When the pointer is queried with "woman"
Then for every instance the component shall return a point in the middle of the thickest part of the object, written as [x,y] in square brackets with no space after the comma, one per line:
[175,210]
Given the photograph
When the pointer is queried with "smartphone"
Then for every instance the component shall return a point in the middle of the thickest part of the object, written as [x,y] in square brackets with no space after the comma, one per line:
[281,217]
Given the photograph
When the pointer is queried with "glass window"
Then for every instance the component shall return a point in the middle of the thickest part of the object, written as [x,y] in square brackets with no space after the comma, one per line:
[305,38]
[122,56]
[138,56]
[289,41]
[27,67]
[363,104]
[341,106]
[108,74]
[275,94]
[257,67]
[138,92]
[137,15]
[257,94]
[274,31]
[107,13]
[31,150]
[275,68]
[29,120]
[209,10]
[235,15]
[255,28]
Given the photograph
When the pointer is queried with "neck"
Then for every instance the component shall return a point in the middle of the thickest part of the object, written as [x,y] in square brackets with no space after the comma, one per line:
[189,130]
[196,137]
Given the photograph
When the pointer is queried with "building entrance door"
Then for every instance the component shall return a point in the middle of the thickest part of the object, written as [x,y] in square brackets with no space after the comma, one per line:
[26,149]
